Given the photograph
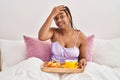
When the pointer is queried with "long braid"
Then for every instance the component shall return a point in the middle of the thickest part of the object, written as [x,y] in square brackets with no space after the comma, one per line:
[67,11]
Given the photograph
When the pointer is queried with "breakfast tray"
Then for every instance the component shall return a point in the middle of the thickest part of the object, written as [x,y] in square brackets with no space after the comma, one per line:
[60,70]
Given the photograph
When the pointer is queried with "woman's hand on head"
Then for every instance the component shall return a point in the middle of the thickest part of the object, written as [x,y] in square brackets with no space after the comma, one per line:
[82,63]
[56,10]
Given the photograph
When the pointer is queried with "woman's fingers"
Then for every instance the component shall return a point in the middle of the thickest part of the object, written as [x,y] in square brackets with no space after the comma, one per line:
[82,63]
[60,8]
[57,9]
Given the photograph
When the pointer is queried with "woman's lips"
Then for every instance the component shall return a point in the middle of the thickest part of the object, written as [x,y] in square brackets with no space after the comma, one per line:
[60,24]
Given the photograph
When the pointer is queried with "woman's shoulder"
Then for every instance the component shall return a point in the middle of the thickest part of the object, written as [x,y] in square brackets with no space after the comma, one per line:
[54,28]
[82,36]
[81,33]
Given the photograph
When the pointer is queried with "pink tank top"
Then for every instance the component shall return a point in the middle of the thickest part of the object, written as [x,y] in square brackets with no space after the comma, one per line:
[61,53]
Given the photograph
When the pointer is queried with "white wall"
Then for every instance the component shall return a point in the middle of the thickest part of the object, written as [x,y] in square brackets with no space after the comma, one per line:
[25,17]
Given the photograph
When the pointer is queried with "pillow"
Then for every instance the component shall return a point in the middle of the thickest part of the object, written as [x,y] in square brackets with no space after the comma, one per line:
[89,52]
[12,52]
[107,52]
[37,48]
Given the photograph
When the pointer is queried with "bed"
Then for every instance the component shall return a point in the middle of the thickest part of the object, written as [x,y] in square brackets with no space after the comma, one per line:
[16,63]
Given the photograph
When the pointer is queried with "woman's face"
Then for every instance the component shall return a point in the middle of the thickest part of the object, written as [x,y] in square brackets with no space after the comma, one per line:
[62,20]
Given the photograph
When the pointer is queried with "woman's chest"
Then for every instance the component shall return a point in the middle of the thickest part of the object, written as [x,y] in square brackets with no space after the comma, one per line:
[58,49]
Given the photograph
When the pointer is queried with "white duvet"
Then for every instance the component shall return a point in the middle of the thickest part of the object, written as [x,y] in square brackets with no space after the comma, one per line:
[30,70]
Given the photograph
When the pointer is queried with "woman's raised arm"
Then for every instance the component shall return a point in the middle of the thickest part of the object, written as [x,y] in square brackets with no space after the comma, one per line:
[46,32]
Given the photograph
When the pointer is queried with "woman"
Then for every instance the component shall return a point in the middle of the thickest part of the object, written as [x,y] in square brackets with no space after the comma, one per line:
[67,42]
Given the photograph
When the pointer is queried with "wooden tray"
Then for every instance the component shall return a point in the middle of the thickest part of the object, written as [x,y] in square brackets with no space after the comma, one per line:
[61,70]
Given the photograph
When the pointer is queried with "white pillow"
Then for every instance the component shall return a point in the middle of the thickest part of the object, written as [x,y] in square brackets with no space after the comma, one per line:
[107,52]
[12,52]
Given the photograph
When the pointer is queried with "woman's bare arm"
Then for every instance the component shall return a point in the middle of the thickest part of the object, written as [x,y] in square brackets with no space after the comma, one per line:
[46,32]
[83,47]
[82,57]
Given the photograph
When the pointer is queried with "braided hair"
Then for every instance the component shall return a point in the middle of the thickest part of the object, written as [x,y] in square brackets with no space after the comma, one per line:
[67,11]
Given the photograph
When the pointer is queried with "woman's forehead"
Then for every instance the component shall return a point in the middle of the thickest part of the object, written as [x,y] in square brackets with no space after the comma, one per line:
[61,12]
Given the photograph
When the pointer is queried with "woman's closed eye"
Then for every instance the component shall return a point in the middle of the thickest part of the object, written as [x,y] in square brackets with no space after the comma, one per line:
[60,17]
[55,18]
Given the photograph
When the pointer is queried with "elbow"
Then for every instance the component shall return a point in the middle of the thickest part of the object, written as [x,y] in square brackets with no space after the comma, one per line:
[41,38]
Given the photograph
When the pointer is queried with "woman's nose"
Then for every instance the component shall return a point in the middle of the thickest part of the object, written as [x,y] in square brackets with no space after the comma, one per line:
[59,19]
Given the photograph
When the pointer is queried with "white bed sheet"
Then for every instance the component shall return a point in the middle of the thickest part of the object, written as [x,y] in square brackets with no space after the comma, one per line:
[30,70]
